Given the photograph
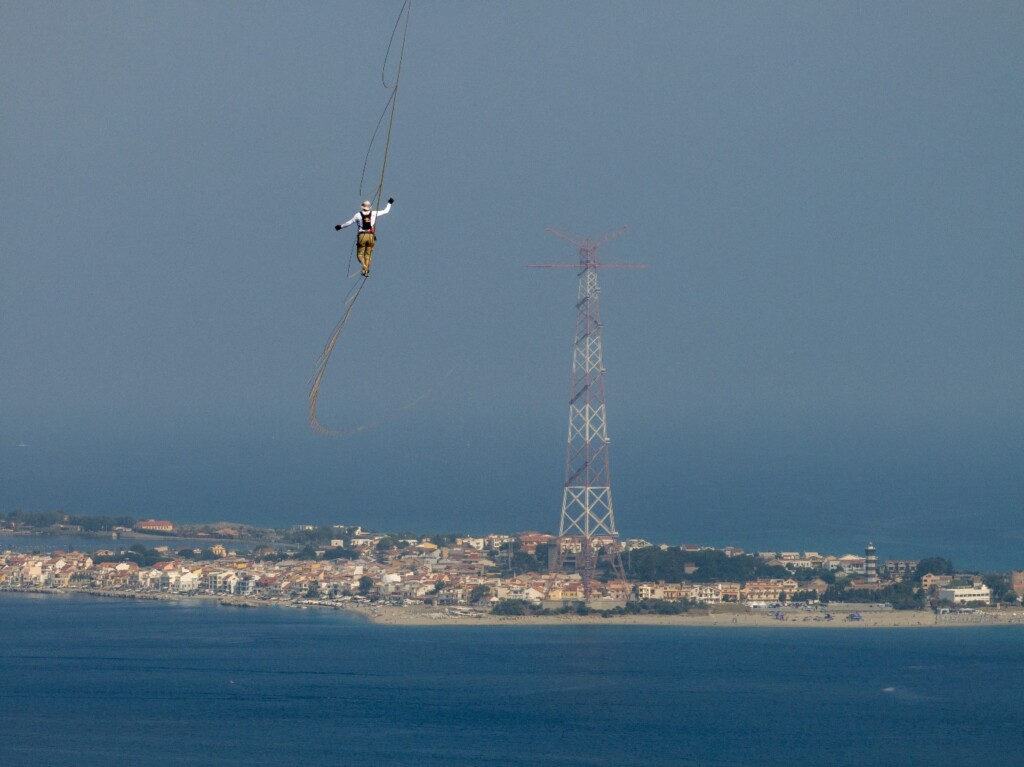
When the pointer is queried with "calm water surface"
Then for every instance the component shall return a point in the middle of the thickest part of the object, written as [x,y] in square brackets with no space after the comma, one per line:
[87,681]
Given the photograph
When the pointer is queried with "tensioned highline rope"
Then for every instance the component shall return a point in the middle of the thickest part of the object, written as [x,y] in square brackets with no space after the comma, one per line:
[350,301]
[394,91]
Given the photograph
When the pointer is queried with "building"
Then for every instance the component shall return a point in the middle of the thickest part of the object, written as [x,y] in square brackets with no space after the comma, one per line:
[154,526]
[899,569]
[938,581]
[632,544]
[809,561]
[848,563]
[365,541]
[730,591]
[978,594]
[528,542]
[1017,582]
[768,590]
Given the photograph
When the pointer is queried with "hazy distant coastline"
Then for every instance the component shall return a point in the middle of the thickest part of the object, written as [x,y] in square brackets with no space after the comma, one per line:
[409,578]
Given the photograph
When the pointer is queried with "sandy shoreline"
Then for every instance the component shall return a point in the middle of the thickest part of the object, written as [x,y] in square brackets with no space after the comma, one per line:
[730,618]
[722,617]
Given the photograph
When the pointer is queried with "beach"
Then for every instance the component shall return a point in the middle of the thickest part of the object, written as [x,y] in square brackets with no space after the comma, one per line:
[389,615]
[837,616]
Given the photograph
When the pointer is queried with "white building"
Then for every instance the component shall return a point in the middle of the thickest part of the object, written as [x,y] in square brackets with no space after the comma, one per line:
[975,595]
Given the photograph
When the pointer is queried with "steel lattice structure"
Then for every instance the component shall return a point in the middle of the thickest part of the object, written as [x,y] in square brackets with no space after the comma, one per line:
[587,526]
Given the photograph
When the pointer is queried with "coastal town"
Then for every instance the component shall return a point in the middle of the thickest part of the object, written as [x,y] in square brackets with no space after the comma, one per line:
[495,574]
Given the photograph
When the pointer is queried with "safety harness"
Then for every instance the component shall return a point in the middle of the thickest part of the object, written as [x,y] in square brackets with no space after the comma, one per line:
[366,225]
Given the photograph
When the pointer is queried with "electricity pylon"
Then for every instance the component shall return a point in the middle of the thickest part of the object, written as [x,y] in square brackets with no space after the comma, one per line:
[587,527]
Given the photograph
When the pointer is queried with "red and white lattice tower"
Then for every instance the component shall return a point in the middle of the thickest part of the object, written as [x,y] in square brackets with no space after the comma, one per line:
[587,527]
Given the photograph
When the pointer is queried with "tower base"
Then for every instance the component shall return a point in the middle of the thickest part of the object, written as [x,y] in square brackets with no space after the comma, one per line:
[582,555]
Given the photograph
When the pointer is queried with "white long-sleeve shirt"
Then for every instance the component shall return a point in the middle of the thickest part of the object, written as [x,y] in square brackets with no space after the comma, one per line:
[373,216]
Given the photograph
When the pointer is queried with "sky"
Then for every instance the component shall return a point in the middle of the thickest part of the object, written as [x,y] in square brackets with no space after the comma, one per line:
[824,350]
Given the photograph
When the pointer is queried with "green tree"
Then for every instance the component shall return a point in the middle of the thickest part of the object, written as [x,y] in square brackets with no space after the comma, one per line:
[836,592]
[542,553]
[902,596]
[670,565]
[445,539]
[664,607]
[91,524]
[655,607]
[998,583]
[525,563]
[275,556]
[365,584]
[510,607]
[339,552]
[138,554]
[479,593]
[933,565]
[36,520]
[321,534]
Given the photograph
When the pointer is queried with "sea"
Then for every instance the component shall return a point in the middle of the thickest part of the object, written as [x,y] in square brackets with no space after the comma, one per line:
[88,681]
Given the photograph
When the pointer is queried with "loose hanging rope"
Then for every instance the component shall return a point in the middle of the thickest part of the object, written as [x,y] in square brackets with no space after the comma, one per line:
[321,364]
[350,301]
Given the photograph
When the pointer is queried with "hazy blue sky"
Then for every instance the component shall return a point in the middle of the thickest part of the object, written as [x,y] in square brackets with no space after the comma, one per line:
[825,350]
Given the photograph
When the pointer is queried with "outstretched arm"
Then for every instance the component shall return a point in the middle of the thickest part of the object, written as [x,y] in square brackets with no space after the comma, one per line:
[339,227]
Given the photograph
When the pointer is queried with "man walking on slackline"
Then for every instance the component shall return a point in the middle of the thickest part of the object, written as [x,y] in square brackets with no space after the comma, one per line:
[366,217]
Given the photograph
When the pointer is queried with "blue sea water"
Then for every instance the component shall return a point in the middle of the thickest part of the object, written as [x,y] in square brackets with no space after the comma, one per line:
[88,681]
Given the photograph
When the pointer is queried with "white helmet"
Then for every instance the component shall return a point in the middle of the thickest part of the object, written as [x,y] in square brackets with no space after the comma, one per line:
[366,205]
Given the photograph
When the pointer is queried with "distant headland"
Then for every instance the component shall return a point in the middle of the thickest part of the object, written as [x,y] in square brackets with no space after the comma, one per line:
[406,578]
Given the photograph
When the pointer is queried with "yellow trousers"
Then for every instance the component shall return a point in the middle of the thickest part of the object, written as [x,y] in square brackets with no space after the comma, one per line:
[364,249]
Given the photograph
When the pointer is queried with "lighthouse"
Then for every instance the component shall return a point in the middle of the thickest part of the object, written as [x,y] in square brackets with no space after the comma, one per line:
[871,563]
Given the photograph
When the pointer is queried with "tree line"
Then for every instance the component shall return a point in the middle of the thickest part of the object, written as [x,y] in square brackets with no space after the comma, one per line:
[44,520]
